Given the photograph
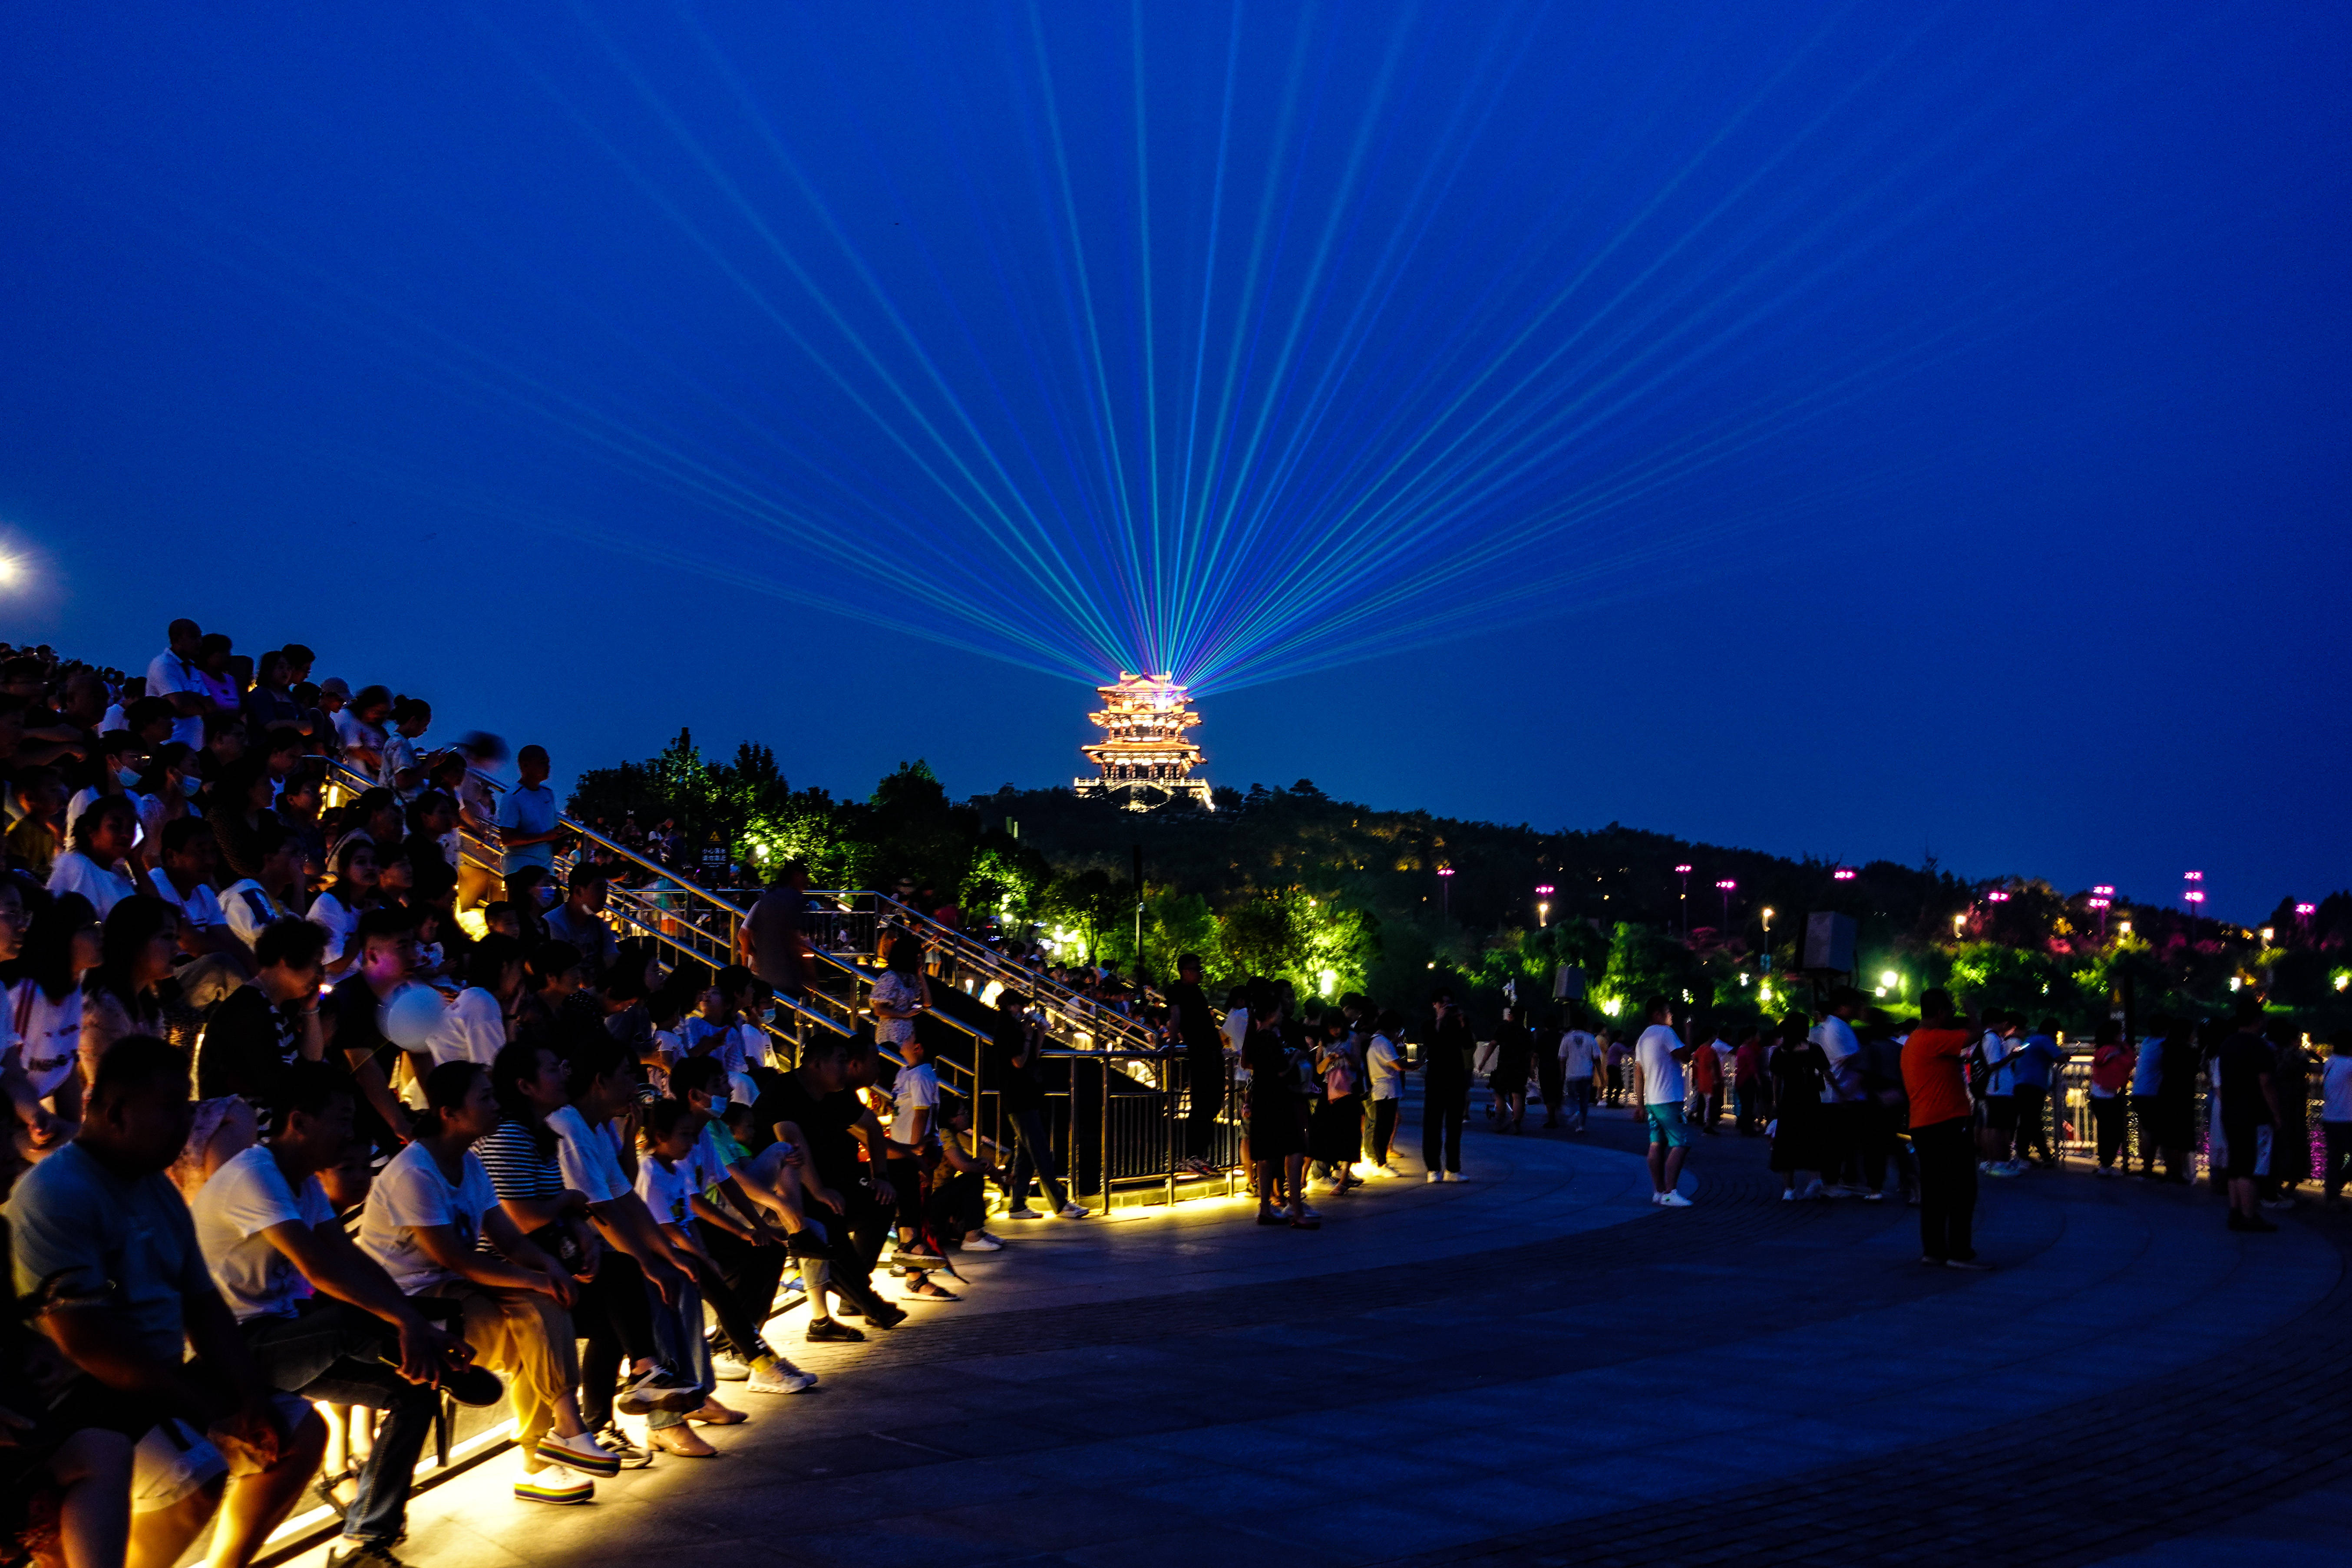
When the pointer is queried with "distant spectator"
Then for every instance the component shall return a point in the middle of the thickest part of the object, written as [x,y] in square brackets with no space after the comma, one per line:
[579,919]
[770,942]
[263,1028]
[176,675]
[274,895]
[37,837]
[96,864]
[352,894]
[235,806]
[272,699]
[403,766]
[528,829]
[185,881]
[359,728]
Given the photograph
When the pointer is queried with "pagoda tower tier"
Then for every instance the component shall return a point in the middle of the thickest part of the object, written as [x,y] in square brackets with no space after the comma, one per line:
[1144,758]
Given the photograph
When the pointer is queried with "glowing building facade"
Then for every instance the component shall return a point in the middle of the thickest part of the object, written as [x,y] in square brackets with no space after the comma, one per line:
[1144,758]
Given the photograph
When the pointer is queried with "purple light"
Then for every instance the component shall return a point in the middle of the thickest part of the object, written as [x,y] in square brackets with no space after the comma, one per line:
[1682,870]
[1543,890]
[2104,891]
[1843,874]
[1446,870]
[2192,876]
[2099,903]
[1997,896]
[1727,884]
[2195,898]
[2306,909]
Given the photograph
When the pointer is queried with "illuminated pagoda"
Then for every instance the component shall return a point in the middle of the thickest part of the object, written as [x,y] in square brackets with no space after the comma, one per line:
[1144,758]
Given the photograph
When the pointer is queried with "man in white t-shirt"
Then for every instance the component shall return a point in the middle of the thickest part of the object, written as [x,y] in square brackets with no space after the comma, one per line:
[175,676]
[185,881]
[1580,1060]
[256,902]
[1385,1066]
[527,814]
[914,1125]
[267,1231]
[1843,1105]
[1658,1058]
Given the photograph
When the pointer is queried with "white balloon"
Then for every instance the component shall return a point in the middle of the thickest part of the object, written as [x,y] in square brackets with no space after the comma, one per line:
[407,1016]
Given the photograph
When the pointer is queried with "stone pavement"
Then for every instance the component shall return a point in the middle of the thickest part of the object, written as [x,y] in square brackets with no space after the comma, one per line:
[1535,1365]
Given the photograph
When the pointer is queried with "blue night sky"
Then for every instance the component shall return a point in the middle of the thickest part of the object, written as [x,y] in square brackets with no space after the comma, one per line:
[1826,429]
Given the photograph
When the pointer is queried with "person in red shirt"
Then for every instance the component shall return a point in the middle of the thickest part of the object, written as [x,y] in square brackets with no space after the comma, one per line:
[1935,1078]
[2112,1061]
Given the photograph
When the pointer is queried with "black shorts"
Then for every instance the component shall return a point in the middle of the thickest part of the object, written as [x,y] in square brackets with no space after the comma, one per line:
[2248,1147]
[2000,1113]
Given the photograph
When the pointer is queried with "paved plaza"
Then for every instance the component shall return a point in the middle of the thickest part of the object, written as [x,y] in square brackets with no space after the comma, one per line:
[1537,1366]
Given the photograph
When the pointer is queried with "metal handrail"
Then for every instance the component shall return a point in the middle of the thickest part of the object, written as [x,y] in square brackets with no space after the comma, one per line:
[1104,1028]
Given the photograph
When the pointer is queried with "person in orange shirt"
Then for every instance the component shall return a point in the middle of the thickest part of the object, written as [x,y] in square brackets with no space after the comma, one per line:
[1935,1078]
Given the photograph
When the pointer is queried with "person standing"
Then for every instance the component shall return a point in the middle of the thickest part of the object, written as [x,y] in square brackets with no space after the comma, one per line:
[528,829]
[2250,1114]
[1658,1058]
[1935,1080]
[1748,1081]
[2033,1061]
[1446,1088]
[1385,1065]
[2113,1062]
[2147,1094]
[1549,1070]
[1842,1113]
[1705,1087]
[2335,1114]
[1999,1132]
[1195,1028]
[1580,1061]
[770,942]
[1514,1051]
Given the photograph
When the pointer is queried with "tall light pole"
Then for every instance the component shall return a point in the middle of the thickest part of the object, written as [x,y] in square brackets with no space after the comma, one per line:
[1684,872]
[2103,899]
[1725,887]
[2192,895]
[1543,903]
[1444,883]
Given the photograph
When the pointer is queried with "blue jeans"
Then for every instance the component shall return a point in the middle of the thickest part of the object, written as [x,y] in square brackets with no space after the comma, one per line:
[328,1352]
[679,1344]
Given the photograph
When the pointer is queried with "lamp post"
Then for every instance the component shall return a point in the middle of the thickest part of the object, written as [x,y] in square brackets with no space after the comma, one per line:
[2192,894]
[1843,874]
[1445,884]
[1765,958]
[2303,913]
[1725,887]
[1684,872]
[1543,903]
[2099,901]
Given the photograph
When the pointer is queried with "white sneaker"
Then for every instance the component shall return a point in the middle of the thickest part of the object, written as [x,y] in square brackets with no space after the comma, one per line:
[1074,1211]
[729,1369]
[1788,1195]
[981,1241]
[1024,1212]
[1810,1190]
[1655,1198]
[1435,1176]
[779,1378]
[1453,1175]
[1675,1201]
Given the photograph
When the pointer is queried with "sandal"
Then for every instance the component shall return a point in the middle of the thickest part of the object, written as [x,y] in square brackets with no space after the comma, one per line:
[931,1290]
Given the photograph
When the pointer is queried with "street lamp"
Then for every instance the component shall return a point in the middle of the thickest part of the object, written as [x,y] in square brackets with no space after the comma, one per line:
[2101,905]
[1543,902]
[1444,883]
[1843,874]
[1684,872]
[2192,895]
[1725,887]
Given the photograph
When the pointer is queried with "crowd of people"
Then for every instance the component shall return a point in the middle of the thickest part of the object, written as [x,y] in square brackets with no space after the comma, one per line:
[317,1122]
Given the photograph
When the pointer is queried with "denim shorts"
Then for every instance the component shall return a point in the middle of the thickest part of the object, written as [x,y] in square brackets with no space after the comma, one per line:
[1668,1127]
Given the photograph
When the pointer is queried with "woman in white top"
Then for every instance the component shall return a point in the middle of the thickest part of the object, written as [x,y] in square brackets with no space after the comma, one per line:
[1385,1066]
[350,895]
[900,992]
[40,1015]
[423,1217]
[478,1024]
[96,867]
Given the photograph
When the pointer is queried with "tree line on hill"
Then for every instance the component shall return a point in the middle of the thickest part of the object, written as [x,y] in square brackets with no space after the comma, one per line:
[1335,896]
